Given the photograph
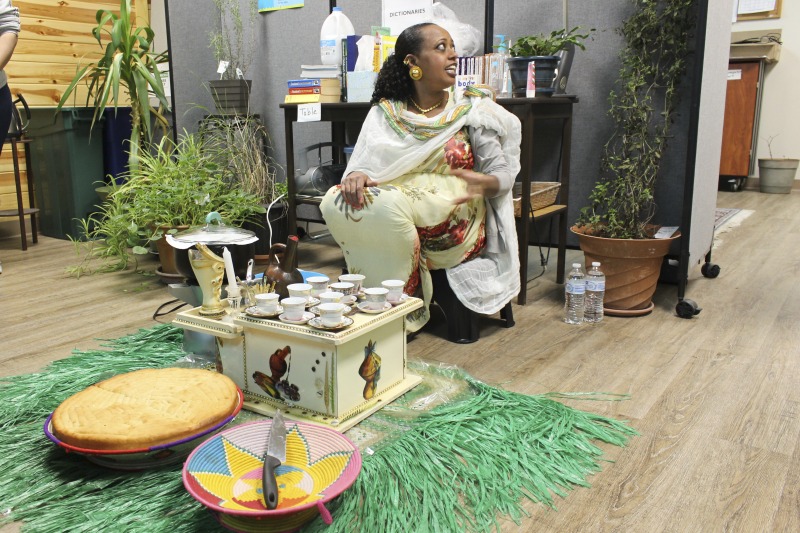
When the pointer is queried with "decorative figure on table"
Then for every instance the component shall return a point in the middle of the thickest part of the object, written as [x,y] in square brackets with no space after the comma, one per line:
[370,370]
[209,269]
[282,268]
[278,367]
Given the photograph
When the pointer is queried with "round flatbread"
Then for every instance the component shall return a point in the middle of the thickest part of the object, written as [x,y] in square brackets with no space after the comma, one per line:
[145,408]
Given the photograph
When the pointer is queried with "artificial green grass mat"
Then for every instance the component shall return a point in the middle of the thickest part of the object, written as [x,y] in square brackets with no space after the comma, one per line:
[451,455]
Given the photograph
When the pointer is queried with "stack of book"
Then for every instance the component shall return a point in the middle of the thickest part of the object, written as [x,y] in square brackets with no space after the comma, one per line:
[318,83]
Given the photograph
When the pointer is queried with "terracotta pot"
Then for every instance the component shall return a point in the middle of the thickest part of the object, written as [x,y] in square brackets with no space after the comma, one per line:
[631,266]
[166,253]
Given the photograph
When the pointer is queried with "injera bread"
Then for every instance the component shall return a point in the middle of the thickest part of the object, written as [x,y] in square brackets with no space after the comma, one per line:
[145,408]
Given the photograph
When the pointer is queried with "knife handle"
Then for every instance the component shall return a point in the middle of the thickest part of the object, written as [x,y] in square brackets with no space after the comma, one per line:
[270,484]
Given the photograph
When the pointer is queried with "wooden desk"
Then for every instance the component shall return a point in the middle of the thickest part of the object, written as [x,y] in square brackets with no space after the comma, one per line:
[528,110]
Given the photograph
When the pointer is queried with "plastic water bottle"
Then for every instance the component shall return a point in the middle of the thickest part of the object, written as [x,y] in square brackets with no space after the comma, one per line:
[574,291]
[497,66]
[595,290]
[335,28]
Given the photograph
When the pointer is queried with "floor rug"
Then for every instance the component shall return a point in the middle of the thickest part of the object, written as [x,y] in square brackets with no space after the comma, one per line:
[454,454]
[722,215]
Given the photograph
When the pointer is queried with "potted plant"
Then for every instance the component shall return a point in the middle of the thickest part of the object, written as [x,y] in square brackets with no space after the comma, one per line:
[541,50]
[618,221]
[127,73]
[173,187]
[245,141]
[234,45]
[776,175]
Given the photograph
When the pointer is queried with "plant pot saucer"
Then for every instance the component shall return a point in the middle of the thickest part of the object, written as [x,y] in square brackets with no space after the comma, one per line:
[167,278]
[629,312]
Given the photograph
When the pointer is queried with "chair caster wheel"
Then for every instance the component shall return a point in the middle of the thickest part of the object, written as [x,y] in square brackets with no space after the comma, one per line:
[709,270]
[687,309]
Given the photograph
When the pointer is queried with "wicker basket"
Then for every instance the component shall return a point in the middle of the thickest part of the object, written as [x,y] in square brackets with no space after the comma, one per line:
[543,193]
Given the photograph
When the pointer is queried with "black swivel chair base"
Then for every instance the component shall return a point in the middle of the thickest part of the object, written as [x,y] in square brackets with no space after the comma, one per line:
[462,323]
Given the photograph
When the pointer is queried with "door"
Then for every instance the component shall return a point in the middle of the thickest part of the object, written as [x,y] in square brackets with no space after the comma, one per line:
[740,118]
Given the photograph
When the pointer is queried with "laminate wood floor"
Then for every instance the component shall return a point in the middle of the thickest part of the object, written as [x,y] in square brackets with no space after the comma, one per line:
[715,398]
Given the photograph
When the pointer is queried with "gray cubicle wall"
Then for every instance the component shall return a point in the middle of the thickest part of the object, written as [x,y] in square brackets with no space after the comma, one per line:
[286,39]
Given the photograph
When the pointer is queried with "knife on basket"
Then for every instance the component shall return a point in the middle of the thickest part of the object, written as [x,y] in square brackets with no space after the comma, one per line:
[275,456]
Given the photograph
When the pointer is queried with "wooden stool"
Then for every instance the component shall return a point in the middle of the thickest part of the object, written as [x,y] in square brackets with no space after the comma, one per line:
[18,135]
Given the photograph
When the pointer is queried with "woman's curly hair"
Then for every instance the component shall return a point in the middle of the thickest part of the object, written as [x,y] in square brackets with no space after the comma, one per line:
[393,81]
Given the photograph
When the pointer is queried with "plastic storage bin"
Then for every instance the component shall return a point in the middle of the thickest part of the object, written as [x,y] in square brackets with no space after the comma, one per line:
[116,135]
[67,160]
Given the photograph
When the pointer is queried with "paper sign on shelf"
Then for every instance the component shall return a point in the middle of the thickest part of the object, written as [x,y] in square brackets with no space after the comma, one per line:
[400,14]
[309,112]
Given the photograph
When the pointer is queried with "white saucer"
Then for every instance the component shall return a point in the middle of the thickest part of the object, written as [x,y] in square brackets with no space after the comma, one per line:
[362,306]
[316,322]
[306,317]
[312,302]
[350,299]
[402,299]
[347,310]
[255,312]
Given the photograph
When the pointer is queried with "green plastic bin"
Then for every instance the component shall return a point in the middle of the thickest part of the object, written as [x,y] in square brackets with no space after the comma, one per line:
[67,160]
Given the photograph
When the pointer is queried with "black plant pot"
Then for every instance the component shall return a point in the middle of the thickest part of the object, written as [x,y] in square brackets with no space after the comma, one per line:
[278,222]
[232,97]
[545,74]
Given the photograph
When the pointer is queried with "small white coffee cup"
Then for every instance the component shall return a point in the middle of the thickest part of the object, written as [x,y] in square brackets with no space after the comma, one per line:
[300,290]
[267,302]
[395,287]
[375,297]
[319,284]
[345,287]
[331,297]
[355,279]
[293,307]
[330,314]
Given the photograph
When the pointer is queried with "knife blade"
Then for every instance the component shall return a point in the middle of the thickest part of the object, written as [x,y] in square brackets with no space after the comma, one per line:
[275,456]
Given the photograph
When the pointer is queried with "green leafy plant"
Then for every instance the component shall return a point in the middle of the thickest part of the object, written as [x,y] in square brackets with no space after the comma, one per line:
[127,70]
[172,186]
[548,45]
[230,42]
[642,108]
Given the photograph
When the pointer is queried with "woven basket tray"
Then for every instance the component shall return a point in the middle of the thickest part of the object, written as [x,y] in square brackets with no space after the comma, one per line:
[543,193]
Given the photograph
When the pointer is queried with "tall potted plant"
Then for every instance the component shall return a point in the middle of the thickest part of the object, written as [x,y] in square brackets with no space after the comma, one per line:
[616,227]
[234,46]
[127,73]
[541,50]
[245,141]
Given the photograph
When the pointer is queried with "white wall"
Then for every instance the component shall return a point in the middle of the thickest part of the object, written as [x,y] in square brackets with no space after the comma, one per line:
[780,112]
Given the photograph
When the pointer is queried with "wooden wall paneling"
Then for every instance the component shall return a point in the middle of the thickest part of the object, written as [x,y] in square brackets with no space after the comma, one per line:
[55,40]
[42,51]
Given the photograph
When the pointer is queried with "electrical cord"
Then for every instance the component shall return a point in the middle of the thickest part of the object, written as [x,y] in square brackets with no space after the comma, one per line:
[158,314]
[764,39]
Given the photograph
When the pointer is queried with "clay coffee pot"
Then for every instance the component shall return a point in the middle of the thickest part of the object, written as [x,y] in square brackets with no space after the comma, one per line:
[282,267]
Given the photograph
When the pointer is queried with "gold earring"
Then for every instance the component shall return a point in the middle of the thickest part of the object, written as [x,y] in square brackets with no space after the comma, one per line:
[415,73]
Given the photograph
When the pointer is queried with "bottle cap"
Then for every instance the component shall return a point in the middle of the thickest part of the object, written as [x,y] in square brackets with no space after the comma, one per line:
[576,265]
[595,263]
[336,9]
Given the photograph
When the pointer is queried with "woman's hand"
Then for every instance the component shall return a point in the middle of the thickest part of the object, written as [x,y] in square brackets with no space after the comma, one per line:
[478,185]
[352,188]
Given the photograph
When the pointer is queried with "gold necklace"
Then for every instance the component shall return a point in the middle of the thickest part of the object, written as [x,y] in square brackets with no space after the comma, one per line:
[431,108]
